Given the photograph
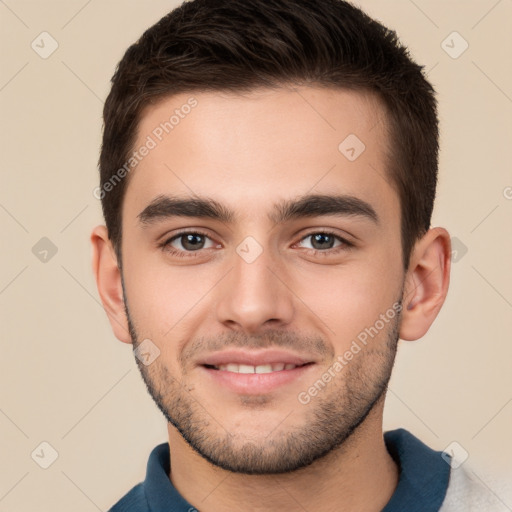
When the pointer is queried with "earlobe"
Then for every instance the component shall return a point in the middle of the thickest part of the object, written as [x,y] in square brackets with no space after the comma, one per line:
[427,283]
[108,282]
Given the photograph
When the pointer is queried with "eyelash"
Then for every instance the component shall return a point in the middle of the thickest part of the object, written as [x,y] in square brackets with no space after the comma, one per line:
[165,245]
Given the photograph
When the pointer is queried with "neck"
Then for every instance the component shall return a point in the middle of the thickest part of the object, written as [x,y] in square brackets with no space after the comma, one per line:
[359,475]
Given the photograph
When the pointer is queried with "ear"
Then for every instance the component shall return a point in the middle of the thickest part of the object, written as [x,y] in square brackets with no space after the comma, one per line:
[426,283]
[108,280]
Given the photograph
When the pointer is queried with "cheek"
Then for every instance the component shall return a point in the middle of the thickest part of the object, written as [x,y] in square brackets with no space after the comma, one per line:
[351,298]
[163,299]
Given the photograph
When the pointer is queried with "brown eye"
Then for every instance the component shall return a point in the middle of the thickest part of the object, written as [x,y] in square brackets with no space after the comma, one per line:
[324,241]
[192,241]
[187,242]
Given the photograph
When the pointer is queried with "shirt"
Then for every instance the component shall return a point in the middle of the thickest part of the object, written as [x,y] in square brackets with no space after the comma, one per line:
[426,483]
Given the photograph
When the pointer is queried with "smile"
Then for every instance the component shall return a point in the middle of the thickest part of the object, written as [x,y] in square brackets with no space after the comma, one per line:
[247,368]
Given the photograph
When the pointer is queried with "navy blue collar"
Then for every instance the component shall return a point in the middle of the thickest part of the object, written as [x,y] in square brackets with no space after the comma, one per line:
[424,474]
[161,494]
[422,484]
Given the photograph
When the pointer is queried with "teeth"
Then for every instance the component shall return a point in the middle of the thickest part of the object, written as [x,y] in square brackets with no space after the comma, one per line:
[262,368]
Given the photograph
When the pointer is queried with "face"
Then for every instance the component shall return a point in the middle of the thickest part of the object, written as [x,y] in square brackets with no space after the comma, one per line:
[262,261]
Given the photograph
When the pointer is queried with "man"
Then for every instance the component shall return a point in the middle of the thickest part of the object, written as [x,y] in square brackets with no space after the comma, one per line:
[268,172]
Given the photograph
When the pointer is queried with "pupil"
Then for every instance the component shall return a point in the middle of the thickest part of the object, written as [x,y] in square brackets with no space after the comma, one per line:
[192,241]
[324,241]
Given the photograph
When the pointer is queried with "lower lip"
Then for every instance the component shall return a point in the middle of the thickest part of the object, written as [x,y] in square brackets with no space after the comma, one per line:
[256,383]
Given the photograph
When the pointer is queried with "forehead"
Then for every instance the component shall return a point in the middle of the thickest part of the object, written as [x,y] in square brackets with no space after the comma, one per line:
[246,150]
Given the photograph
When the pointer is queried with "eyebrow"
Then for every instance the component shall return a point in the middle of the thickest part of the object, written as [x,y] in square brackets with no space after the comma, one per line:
[314,205]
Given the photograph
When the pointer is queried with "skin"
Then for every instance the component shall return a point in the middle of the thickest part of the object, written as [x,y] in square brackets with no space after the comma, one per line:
[249,151]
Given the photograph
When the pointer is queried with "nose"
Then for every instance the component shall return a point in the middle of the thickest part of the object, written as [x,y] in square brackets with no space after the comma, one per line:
[255,294]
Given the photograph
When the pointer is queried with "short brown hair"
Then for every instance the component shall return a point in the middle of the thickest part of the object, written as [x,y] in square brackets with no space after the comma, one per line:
[239,45]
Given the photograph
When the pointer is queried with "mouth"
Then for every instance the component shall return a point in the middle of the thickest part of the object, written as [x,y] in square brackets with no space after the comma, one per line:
[251,373]
[260,369]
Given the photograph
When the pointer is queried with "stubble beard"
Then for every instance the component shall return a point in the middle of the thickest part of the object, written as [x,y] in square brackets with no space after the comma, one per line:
[326,423]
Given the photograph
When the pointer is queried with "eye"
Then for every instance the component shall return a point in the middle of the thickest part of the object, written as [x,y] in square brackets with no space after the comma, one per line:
[323,241]
[186,242]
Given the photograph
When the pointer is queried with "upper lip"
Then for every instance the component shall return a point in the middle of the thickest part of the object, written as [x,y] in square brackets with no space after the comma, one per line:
[258,358]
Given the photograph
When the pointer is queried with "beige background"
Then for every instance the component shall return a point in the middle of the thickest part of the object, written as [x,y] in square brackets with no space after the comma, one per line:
[67,381]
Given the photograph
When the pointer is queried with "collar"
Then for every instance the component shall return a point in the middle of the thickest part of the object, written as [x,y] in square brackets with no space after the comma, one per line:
[422,485]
